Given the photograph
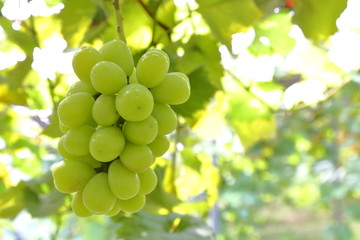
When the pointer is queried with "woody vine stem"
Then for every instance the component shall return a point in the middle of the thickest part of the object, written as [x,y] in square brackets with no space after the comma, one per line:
[119,20]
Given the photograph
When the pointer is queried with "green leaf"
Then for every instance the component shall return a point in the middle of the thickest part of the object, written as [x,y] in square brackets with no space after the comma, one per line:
[98,25]
[317,19]
[165,16]
[201,51]
[160,198]
[75,19]
[251,120]
[226,17]
[40,203]
[43,205]
[164,227]
[12,96]
[138,25]
[274,29]
[190,158]
[267,7]
[12,201]
[53,129]
[23,38]
[201,93]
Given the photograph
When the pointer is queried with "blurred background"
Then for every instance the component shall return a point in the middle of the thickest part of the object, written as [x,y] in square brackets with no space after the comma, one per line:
[267,147]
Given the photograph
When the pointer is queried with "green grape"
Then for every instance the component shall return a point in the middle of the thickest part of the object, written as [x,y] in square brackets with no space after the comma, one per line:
[76,140]
[148,181]
[115,210]
[84,59]
[97,195]
[71,176]
[134,102]
[134,204]
[173,90]
[152,67]
[137,158]
[132,78]
[107,143]
[123,183]
[78,206]
[104,111]
[75,110]
[61,149]
[159,146]
[118,52]
[63,128]
[86,159]
[165,117]
[107,77]
[81,86]
[141,133]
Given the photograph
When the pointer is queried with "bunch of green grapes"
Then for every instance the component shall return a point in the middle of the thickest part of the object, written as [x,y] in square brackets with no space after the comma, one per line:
[115,122]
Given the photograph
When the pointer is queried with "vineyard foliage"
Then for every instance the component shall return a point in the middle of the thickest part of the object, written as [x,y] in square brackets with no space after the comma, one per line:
[272,120]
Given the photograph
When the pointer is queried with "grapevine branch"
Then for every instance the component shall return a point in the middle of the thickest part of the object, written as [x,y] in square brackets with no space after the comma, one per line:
[119,20]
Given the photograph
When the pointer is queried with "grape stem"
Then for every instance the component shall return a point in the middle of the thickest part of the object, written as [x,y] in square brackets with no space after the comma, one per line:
[119,20]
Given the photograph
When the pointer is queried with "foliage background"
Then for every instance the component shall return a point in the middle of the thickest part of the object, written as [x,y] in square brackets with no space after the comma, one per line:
[266,147]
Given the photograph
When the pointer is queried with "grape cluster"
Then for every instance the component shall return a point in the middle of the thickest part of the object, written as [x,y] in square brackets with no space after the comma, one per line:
[115,122]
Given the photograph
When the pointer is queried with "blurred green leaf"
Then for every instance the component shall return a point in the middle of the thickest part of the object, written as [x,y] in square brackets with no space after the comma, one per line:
[53,129]
[201,51]
[190,158]
[12,201]
[23,38]
[201,93]
[12,96]
[164,227]
[160,198]
[267,7]
[41,204]
[251,120]
[138,26]
[317,19]
[226,17]
[272,35]
[75,20]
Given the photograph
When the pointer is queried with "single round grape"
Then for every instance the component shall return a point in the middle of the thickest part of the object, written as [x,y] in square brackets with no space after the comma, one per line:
[123,183]
[84,59]
[106,143]
[104,111]
[134,102]
[141,133]
[75,110]
[76,140]
[78,206]
[97,196]
[173,90]
[152,67]
[86,159]
[81,86]
[61,149]
[115,210]
[148,181]
[118,52]
[159,146]
[134,204]
[107,77]
[137,158]
[165,117]
[132,78]
[71,176]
